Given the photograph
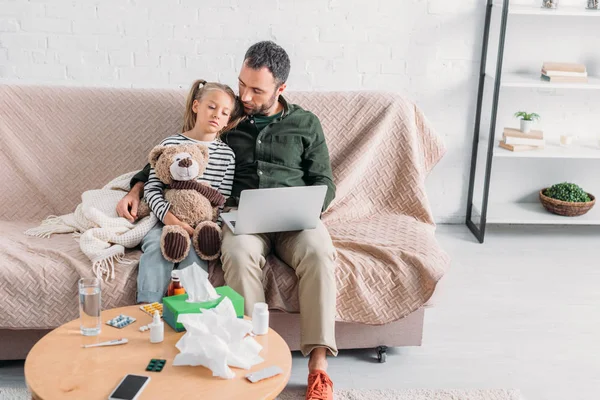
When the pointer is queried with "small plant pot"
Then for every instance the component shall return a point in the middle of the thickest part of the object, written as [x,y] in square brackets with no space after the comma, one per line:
[566,208]
[526,126]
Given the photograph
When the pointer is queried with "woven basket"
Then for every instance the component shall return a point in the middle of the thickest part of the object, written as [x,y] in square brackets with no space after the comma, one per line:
[566,208]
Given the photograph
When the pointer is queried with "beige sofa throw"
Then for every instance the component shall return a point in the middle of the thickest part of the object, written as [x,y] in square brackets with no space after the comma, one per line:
[102,234]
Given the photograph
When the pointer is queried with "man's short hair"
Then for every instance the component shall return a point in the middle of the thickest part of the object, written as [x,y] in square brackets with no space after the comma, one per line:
[270,55]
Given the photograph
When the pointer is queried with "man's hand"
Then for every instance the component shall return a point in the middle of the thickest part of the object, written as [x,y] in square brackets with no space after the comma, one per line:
[128,206]
[171,219]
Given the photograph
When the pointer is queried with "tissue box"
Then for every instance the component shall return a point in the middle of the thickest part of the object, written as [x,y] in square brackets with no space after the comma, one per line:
[175,305]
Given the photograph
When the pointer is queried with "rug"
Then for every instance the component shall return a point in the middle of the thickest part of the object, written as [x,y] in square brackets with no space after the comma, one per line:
[359,394]
[14,394]
[413,394]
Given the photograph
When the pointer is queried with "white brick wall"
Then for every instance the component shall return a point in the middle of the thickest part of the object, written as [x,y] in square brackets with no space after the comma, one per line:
[428,50]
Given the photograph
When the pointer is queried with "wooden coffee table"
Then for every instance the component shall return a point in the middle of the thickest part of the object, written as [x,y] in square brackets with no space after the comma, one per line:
[59,368]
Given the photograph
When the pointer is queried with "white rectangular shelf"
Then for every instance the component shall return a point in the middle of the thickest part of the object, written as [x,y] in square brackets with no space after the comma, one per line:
[552,150]
[565,11]
[515,80]
[536,214]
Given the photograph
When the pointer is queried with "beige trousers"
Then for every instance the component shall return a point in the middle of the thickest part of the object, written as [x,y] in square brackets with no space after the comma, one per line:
[311,254]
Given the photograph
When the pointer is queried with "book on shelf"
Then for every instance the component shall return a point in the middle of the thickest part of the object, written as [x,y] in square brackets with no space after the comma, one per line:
[513,132]
[563,73]
[515,140]
[517,147]
[564,67]
[565,79]
[524,141]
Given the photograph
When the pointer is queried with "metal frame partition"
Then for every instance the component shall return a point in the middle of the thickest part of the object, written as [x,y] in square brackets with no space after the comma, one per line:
[479,231]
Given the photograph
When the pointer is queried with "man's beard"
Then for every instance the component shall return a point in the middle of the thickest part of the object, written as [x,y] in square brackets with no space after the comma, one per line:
[263,109]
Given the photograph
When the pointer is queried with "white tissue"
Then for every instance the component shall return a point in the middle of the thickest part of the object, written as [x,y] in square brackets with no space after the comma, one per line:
[195,282]
[217,339]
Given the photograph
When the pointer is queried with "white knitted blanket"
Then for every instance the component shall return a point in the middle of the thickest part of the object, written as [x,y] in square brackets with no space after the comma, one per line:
[102,234]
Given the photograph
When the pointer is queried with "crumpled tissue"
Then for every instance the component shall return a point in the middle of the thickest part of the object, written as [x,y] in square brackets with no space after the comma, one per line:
[196,284]
[217,339]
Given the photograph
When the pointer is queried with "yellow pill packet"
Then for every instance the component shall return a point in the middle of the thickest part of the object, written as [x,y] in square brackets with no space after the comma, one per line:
[150,308]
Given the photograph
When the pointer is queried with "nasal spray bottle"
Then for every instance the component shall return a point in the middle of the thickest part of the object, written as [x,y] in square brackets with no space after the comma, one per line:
[157,329]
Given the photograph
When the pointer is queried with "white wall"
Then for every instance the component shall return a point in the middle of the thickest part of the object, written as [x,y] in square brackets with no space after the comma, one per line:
[427,49]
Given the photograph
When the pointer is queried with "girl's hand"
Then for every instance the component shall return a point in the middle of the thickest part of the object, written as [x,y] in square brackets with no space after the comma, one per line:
[171,219]
[188,228]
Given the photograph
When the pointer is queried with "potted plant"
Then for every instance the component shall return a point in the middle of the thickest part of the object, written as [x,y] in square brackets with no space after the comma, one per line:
[566,199]
[526,120]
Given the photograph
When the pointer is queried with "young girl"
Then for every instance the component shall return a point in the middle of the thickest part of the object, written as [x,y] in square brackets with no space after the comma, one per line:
[211,109]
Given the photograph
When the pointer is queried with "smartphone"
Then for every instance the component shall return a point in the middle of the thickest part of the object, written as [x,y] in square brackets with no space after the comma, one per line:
[130,387]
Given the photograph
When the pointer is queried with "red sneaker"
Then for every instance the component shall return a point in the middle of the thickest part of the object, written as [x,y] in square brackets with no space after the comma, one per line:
[319,387]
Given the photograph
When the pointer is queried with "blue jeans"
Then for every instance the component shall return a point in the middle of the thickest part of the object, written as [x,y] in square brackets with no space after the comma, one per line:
[154,273]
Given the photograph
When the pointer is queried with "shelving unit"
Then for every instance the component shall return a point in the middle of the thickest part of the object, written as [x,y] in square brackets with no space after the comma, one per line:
[586,150]
[561,11]
[535,214]
[533,81]
[484,211]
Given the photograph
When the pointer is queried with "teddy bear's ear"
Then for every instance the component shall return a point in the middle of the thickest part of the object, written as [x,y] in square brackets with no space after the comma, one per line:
[202,151]
[155,154]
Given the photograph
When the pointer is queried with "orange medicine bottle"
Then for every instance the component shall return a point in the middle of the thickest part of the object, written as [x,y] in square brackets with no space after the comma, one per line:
[175,286]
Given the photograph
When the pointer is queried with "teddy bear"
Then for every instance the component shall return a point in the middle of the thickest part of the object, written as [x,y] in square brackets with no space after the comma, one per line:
[192,201]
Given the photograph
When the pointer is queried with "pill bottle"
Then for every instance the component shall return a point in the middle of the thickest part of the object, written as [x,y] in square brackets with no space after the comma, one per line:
[260,319]
[175,287]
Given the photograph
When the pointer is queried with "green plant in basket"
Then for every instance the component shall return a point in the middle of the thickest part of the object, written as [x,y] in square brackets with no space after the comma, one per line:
[527,116]
[567,192]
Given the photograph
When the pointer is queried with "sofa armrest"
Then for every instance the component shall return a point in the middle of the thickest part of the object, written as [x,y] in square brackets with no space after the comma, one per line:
[438,294]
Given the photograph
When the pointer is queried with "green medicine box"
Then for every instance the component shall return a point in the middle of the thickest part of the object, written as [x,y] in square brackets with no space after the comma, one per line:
[173,306]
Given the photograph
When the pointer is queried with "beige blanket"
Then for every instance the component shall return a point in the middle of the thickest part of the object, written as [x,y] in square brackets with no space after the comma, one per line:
[56,143]
[101,233]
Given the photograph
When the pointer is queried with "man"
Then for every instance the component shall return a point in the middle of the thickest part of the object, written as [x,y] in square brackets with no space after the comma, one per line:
[279,144]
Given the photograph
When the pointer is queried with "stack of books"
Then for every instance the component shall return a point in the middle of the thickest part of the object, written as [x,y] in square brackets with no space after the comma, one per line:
[564,72]
[515,140]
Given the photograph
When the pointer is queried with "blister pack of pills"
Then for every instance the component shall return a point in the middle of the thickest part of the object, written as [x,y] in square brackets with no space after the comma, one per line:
[264,373]
[156,365]
[150,308]
[121,321]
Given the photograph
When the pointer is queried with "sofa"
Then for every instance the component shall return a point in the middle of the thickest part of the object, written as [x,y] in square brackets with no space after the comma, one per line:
[57,142]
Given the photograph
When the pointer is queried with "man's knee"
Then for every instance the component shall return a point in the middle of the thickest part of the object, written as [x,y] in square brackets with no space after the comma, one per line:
[317,250]
[240,258]
[316,242]
[241,252]
[319,260]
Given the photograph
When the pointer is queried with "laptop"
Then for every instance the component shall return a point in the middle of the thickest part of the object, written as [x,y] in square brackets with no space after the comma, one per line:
[276,210]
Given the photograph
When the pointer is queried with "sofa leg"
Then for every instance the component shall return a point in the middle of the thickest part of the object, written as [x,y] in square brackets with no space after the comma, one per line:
[381,353]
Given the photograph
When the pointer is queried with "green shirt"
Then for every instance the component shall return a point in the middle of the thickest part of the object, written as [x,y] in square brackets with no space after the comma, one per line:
[289,151]
[261,121]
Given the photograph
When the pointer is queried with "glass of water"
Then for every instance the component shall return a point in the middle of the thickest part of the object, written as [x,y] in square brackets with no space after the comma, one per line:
[90,306]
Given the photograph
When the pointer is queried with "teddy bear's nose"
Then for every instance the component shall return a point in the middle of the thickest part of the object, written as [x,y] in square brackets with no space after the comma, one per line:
[186,162]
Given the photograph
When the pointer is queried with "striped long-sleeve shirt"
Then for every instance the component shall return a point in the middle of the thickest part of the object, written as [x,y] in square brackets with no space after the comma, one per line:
[219,173]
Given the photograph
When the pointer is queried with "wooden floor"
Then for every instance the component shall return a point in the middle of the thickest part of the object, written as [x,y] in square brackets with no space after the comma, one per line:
[520,311]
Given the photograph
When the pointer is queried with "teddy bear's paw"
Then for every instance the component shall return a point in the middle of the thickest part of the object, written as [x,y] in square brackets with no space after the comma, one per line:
[207,240]
[174,243]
